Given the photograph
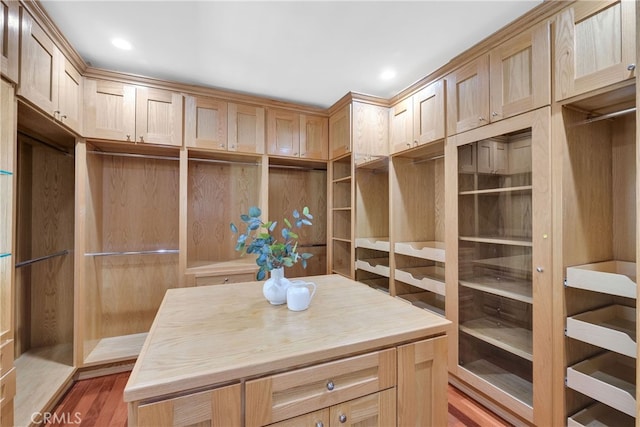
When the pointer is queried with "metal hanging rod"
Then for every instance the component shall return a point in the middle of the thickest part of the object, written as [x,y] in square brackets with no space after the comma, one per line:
[42,258]
[141,156]
[158,251]
[428,159]
[46,144]
[304,168]
[4,255]
[229,162]
[4,172]
[610,115]
[313,245]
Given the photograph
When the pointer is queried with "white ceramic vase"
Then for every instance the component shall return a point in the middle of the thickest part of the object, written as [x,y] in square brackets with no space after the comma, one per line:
[275,287]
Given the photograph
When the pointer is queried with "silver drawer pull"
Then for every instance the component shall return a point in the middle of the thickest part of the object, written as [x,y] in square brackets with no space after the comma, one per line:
[330,385]
[342,418]
[319,424]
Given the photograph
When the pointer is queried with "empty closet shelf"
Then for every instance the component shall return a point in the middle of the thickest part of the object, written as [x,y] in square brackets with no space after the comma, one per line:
[612,327]
[379,284]
[514,385]
[426,301]
[428,250]
[610,277]
[608,378]
[508,287]
[516,264]
[377,243]
[378,266]
[428,278]
[502,334]
[600,415]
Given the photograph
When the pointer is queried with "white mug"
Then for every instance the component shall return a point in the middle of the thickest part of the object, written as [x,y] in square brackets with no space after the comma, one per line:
[299,295]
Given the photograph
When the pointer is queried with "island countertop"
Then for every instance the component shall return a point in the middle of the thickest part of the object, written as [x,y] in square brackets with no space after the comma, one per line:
[209,335]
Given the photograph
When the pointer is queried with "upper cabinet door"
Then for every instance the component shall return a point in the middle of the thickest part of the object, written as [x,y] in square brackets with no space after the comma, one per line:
[340,132]
[109,110]
[314,137]
[158,116]
[70,95]
[401,126]
[428,113]
[594,46]
[9,37]
[245,127]
[205,123]
[520,72]
[468,96]
[283,133]
[39,66]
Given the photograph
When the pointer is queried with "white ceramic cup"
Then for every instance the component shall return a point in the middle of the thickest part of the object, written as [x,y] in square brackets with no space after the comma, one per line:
[299,295]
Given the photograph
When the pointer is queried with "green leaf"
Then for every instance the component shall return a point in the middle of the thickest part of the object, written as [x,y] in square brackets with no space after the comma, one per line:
[296,214]
[287,262]
[272,226]
[286,221]
[306,222]
[245,218]
[304,263]
[234,229]
[306,256]
[261,274]
[254,212]
[293,235]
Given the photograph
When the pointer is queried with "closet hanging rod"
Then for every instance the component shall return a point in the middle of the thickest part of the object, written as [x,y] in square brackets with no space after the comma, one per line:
[229,162]
[141,156]
[4,172]
[313,245]
[304,168]
[428,159]
[610,115]
[42,258]
[158,251]
[46,144]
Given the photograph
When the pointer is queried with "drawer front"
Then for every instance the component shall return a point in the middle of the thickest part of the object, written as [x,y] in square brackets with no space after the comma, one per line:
[6,357]
[225,279]
[290,394]
[313,419]
[7,387]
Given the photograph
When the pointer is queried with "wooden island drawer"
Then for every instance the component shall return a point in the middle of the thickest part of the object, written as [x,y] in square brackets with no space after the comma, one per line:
[282,396]
[225,279]
[7,387]
[6,357]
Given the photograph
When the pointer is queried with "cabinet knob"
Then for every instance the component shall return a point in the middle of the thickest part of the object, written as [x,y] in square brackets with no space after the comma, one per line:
[221,145]
[631,67]
[141,138]
[226,280]
[481,119]
[64,116]
[55,113]
[330,385]
[295,154]
[319,424]
[494,114]
[342,418]
[539,269]
[128,137]
[408,144]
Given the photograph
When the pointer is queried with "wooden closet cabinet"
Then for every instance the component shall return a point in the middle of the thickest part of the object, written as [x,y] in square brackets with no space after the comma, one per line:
[298,135]
[123,112]
[340,132]
[370,132]
[47,78]
[9,39]
[419,119]
[245,128]
[205,123]
[511,79]
[595,46]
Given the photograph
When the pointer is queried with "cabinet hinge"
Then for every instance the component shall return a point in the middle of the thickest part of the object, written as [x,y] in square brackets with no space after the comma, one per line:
[565,283]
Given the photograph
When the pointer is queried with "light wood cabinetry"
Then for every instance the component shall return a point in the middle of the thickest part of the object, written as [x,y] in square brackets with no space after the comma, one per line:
[512,78]
[8,110]
[370,132]
[47,78]
[595,46]
[292,134]
[245,128]
[340,132]
[123,112]
[401,125]
[503,292]
[597,258]
[9,39]
[341,216]
[219,407]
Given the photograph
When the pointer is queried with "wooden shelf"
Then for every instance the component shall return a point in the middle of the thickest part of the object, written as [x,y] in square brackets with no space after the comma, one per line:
[378,266]
[501,334]
[427,278]
[516,264]
[116,349]
[600,415]
[498,191]
[376,243]
[380,284]
[608,378]
[340,239]
[510,383]
[427,250]
[42,376]
[343,272]
[610,277]
[612,327]
[426,301]
[344,179]
[347,208]
[515,289]
[498,240]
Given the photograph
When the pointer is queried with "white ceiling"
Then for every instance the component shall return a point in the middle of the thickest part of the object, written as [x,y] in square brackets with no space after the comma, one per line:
[309,52]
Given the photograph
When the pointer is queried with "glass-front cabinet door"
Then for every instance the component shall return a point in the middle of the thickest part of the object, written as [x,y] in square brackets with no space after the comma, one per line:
[503,247]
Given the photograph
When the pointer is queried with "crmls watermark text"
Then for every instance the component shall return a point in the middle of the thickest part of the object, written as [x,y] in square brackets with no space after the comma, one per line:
[64,418]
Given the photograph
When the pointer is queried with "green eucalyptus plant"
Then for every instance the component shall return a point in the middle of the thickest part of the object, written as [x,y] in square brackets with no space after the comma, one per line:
[258,238]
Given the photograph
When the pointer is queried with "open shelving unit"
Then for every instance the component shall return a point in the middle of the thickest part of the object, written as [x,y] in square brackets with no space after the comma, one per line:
[341,195]
[599,259]
[417,226]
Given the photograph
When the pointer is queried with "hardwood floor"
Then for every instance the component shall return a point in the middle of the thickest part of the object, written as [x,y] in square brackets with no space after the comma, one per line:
[98,402]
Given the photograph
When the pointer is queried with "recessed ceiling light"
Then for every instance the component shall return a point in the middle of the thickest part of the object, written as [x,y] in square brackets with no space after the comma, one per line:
[121,44]
[387,74]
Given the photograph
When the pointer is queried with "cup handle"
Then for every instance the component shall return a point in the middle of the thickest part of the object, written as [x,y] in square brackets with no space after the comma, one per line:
[313,292]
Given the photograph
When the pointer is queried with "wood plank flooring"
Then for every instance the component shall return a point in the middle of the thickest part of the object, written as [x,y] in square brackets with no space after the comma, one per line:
[98,402]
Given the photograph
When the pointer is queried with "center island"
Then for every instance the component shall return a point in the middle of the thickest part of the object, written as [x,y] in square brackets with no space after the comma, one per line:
[221,355]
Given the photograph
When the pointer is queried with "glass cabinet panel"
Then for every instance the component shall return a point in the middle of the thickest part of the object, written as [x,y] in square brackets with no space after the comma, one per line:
[495,262]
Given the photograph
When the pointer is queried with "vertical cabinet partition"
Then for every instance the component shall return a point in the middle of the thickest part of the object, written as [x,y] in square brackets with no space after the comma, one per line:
[501,177]
[341,193]
[128,246]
